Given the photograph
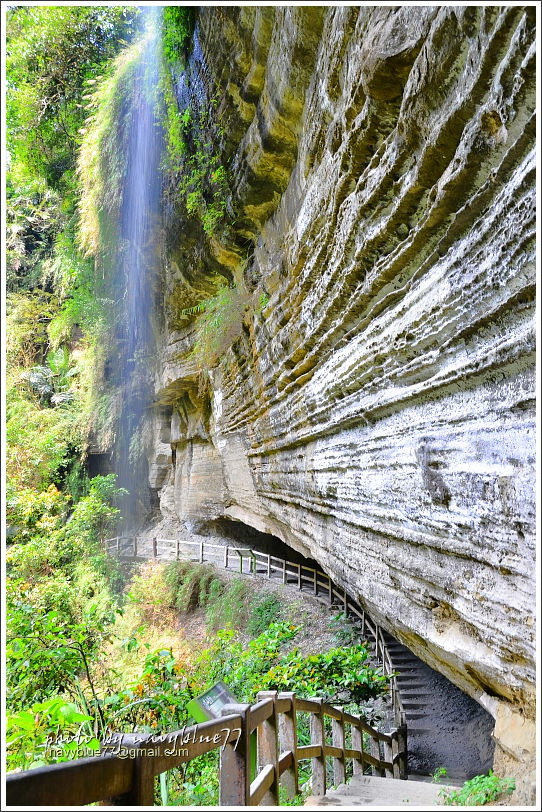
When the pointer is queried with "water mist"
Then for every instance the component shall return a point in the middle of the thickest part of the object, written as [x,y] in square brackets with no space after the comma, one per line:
[136,262]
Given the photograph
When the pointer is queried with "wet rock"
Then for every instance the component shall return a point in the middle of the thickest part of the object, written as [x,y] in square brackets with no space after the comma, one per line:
[377,412]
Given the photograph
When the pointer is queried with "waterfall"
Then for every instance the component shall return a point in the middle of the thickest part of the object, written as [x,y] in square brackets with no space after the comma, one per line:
[136,262]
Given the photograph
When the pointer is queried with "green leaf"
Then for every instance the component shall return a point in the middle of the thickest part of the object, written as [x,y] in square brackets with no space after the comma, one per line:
[23,719]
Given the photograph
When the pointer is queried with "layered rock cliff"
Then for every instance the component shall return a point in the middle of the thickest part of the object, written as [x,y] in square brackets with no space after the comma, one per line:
[376,411]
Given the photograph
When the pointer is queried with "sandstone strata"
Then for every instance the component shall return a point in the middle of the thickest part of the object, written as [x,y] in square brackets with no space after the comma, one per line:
[377,414]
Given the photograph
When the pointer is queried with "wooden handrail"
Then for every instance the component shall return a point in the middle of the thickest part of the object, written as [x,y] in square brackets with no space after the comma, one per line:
[71,783]
[125,771]
[285,761]
[260,713]
[262,784]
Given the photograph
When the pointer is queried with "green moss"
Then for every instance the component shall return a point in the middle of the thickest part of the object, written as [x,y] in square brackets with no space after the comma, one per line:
[177,28]
[102,160]
[175,125]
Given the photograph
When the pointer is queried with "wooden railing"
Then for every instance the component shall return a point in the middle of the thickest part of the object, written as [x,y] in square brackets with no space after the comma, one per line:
[290,572]
[125,772]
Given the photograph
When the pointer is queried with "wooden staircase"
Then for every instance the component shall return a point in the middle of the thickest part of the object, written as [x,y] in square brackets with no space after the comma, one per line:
[418,693]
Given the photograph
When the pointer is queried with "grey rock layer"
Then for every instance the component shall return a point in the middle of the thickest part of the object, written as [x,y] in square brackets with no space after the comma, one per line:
[377,413]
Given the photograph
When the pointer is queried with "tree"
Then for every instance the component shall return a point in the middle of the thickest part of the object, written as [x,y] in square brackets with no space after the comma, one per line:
[53,55]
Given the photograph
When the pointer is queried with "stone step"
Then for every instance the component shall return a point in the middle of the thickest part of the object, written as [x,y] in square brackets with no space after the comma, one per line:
[412,675]
[406,674]
[370,790]
[414,714]
[407,662]
[423,730]
[404,662]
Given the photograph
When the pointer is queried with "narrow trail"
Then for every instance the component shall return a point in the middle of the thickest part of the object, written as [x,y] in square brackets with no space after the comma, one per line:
[446,728]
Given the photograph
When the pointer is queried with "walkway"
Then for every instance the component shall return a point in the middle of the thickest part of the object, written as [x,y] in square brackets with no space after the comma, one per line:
[445,727]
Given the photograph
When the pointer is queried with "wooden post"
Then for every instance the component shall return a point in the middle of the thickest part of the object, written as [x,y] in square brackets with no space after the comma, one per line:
[201,552]
[144,782]
[288,741]
[226,557]
[118,546]
[283,571]
[345,602]
[315,582]
[402,750]
[318,736]
[268,749]
[268,566]
[177,549]
[388,756]
[395,754]
[339,767]
[154,549]
[357,744]
[135,546]
[235,763]
[330,590]
[375,752]
[299,576]
[142,790]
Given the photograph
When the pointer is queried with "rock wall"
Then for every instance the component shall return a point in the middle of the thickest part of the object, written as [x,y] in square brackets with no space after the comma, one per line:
[377,413]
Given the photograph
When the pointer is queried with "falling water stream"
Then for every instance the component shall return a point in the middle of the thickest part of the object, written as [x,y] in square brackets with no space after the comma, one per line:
[136,265]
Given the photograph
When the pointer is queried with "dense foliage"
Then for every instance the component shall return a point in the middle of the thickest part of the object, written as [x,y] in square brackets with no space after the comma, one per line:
[178,25]
[61,590]
[154,699]
[51,58]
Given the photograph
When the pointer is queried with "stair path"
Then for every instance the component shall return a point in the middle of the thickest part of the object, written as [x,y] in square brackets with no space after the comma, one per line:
[435,709]
[434,739]
[370,790]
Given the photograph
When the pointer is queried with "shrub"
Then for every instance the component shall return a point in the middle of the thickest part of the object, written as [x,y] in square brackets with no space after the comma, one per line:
[345,631]
[49,732]
[34,512]
[28,316]
[39,441]
[266,611]
[242,667]
[338,675]
[187,584]
[155,701]
[229,607]
[480,790]
[46,649]
[219,324]
[177,28]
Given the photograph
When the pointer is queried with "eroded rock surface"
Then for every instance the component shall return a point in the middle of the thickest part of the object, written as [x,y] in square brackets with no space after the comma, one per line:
[377,412]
